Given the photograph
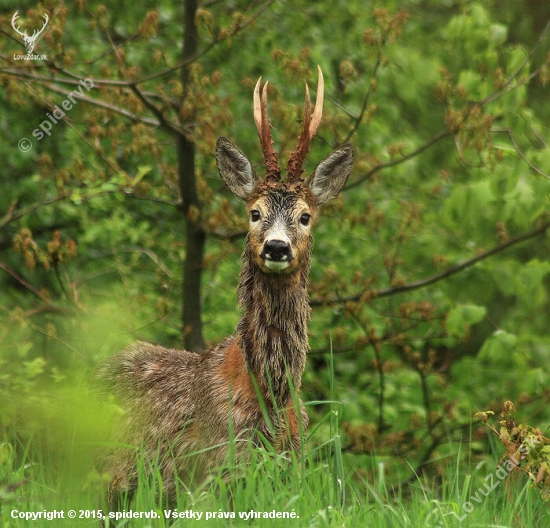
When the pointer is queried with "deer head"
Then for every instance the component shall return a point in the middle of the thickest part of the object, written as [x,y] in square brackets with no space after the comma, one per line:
[29,41]
[281,213]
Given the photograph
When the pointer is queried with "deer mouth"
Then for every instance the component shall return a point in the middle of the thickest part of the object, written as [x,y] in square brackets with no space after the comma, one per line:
[276,255]
[275,265]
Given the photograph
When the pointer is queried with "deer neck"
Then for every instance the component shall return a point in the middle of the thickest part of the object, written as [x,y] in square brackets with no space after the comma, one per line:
[273,329]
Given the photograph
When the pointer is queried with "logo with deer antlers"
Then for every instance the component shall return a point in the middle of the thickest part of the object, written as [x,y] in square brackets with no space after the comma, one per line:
[29,40]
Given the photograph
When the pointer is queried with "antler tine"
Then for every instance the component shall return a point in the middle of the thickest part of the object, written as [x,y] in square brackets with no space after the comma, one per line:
[261,118]
[318,111]
[13,21]
[310,125]
[258,107]
[307,112]
[46,19]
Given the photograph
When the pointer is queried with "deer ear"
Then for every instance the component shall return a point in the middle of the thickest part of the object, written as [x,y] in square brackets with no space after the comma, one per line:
[235,169]
[331,174]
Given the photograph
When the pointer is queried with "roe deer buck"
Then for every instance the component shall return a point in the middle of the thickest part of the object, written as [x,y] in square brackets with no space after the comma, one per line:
[178,402]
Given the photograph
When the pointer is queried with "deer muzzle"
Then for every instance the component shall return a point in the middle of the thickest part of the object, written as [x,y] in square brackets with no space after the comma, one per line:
[276,254]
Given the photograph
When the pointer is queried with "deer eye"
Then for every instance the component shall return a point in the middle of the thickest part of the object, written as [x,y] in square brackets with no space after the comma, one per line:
[304,219]
[254,215]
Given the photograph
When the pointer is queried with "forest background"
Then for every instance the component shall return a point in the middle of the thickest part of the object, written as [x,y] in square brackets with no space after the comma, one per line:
[430,279]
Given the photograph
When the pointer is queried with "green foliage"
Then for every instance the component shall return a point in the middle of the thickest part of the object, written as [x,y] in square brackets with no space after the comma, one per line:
[461,317]
[279,483]
[526,448]
[430,278]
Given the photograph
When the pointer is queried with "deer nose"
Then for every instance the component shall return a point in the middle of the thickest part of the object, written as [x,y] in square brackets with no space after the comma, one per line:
[277,250]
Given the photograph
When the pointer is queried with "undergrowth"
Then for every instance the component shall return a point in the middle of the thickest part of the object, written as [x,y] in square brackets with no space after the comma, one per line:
[326,487]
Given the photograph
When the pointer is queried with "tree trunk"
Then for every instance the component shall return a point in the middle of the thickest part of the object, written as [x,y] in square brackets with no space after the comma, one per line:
[194,233]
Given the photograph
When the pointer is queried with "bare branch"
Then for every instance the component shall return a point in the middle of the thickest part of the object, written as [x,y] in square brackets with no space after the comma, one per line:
[376,294]
[97,102]
[505,87]
[114,168]
[164,123]
[13,214]
[521,153]
[151,255]
[366,100]
[111,82]
[398,161]
[25,284]
[74,80]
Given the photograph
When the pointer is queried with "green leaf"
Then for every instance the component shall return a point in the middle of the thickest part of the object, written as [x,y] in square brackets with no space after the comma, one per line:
[529,282]
[76,197]
[498,34]
[35,367]
[499,347]
[532,275]
[143,170]
[461,318]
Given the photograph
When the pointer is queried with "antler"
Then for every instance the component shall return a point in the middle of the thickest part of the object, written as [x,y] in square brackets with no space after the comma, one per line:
[35,33]
[310,125]
[272,170]
[43,27]
[29,41]
[13,19]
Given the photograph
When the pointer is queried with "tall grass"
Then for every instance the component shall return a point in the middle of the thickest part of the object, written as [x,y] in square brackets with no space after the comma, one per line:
[325,487]
[274,484]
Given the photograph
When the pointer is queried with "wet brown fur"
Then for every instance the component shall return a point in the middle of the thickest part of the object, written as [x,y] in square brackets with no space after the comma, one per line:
[179,402]
[182,408]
